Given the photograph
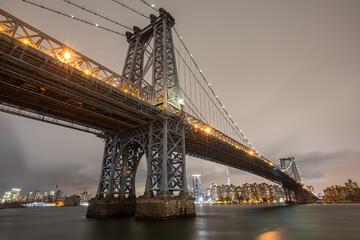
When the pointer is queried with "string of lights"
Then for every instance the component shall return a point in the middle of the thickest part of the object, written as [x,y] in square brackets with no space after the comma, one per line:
[74,18]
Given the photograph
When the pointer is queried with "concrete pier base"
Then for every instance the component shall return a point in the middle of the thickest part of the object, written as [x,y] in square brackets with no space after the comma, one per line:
[164,207]
[111,207]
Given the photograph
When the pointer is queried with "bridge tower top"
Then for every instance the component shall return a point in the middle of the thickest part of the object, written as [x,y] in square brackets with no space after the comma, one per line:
[153,47]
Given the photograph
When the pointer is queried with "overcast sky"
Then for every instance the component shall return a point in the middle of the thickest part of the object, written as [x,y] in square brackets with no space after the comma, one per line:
[288,71]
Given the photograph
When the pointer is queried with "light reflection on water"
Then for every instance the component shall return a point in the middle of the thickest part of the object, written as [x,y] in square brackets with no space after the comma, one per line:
[277,234]
[212,222]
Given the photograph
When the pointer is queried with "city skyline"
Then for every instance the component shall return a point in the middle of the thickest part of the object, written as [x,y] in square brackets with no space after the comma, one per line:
[299,78]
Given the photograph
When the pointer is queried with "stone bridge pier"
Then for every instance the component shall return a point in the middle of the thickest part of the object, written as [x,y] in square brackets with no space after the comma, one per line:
[298,196]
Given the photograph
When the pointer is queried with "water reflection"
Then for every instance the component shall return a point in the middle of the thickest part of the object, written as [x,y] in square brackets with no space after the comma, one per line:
[277,234]
[320,222]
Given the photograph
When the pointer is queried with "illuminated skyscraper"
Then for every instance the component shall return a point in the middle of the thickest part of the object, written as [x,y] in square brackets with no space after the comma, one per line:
[15,193]
[37,196]
[197,187]
[6,197]
[227,177]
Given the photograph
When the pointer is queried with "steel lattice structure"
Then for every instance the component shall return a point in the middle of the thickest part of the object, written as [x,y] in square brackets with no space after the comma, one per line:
[289,165]
[44,79]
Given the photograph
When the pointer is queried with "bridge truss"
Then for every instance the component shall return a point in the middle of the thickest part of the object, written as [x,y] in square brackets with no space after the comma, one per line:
[42,78]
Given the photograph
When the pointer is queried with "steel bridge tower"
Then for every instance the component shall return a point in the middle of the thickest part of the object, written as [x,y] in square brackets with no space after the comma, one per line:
[161,143]
[288,165]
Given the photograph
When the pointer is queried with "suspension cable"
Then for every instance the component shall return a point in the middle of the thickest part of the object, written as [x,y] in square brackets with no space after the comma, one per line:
[232,123]
[130,8]
[151,6]
[97,14]
[73,17]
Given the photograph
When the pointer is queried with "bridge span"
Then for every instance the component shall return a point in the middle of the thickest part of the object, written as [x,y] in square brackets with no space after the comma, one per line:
[42,78]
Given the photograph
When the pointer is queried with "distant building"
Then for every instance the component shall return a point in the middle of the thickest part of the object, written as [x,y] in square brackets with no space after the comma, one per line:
[58,194]
[84,197]
[15,193]
[37,196]
[247,193]
[348,193]
[197,187]
[73,200]
[58,199]
[29,197]
[228,177]
[6,197]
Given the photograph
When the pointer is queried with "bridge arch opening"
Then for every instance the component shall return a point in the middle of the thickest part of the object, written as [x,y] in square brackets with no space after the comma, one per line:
[126,167]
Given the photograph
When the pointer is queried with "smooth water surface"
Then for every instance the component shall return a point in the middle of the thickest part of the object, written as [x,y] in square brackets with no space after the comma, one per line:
[338,222]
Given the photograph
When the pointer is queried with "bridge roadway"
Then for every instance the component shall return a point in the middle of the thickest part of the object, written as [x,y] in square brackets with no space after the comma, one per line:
[34,82]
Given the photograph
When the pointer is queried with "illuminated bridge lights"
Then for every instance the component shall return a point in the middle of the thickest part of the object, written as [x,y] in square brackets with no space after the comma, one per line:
[27,35]
[67,55]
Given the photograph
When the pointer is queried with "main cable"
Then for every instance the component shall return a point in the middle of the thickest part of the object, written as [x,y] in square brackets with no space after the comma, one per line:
[228,118]
[96,14]
[73,17]
[130,8]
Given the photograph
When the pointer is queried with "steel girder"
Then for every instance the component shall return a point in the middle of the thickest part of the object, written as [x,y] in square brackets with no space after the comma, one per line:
[165,84]
[162,143]
[133,69]
[288,165]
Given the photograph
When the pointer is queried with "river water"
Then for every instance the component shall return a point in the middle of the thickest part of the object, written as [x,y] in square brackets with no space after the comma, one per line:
[338,222]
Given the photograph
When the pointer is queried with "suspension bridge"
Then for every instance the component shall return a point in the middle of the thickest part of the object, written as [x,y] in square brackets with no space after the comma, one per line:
[160,108]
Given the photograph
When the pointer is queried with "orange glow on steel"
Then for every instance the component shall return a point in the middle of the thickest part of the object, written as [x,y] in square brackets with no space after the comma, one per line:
[67,55]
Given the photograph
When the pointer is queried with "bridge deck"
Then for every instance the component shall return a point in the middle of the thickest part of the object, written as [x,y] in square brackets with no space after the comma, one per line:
[35,82]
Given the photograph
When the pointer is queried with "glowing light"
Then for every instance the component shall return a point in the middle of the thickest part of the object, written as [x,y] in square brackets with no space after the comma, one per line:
[180,38]
[96,25]
[26,41]
[67,55]
[181,101]
[200,70]
[246,171]
[217,96]
[152,5]
[235,124]
[191,55]
[208,130]
[229,116]
[196,126]
[251,152]
[72,16]
[275,168]
[223,106]
[87,72]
